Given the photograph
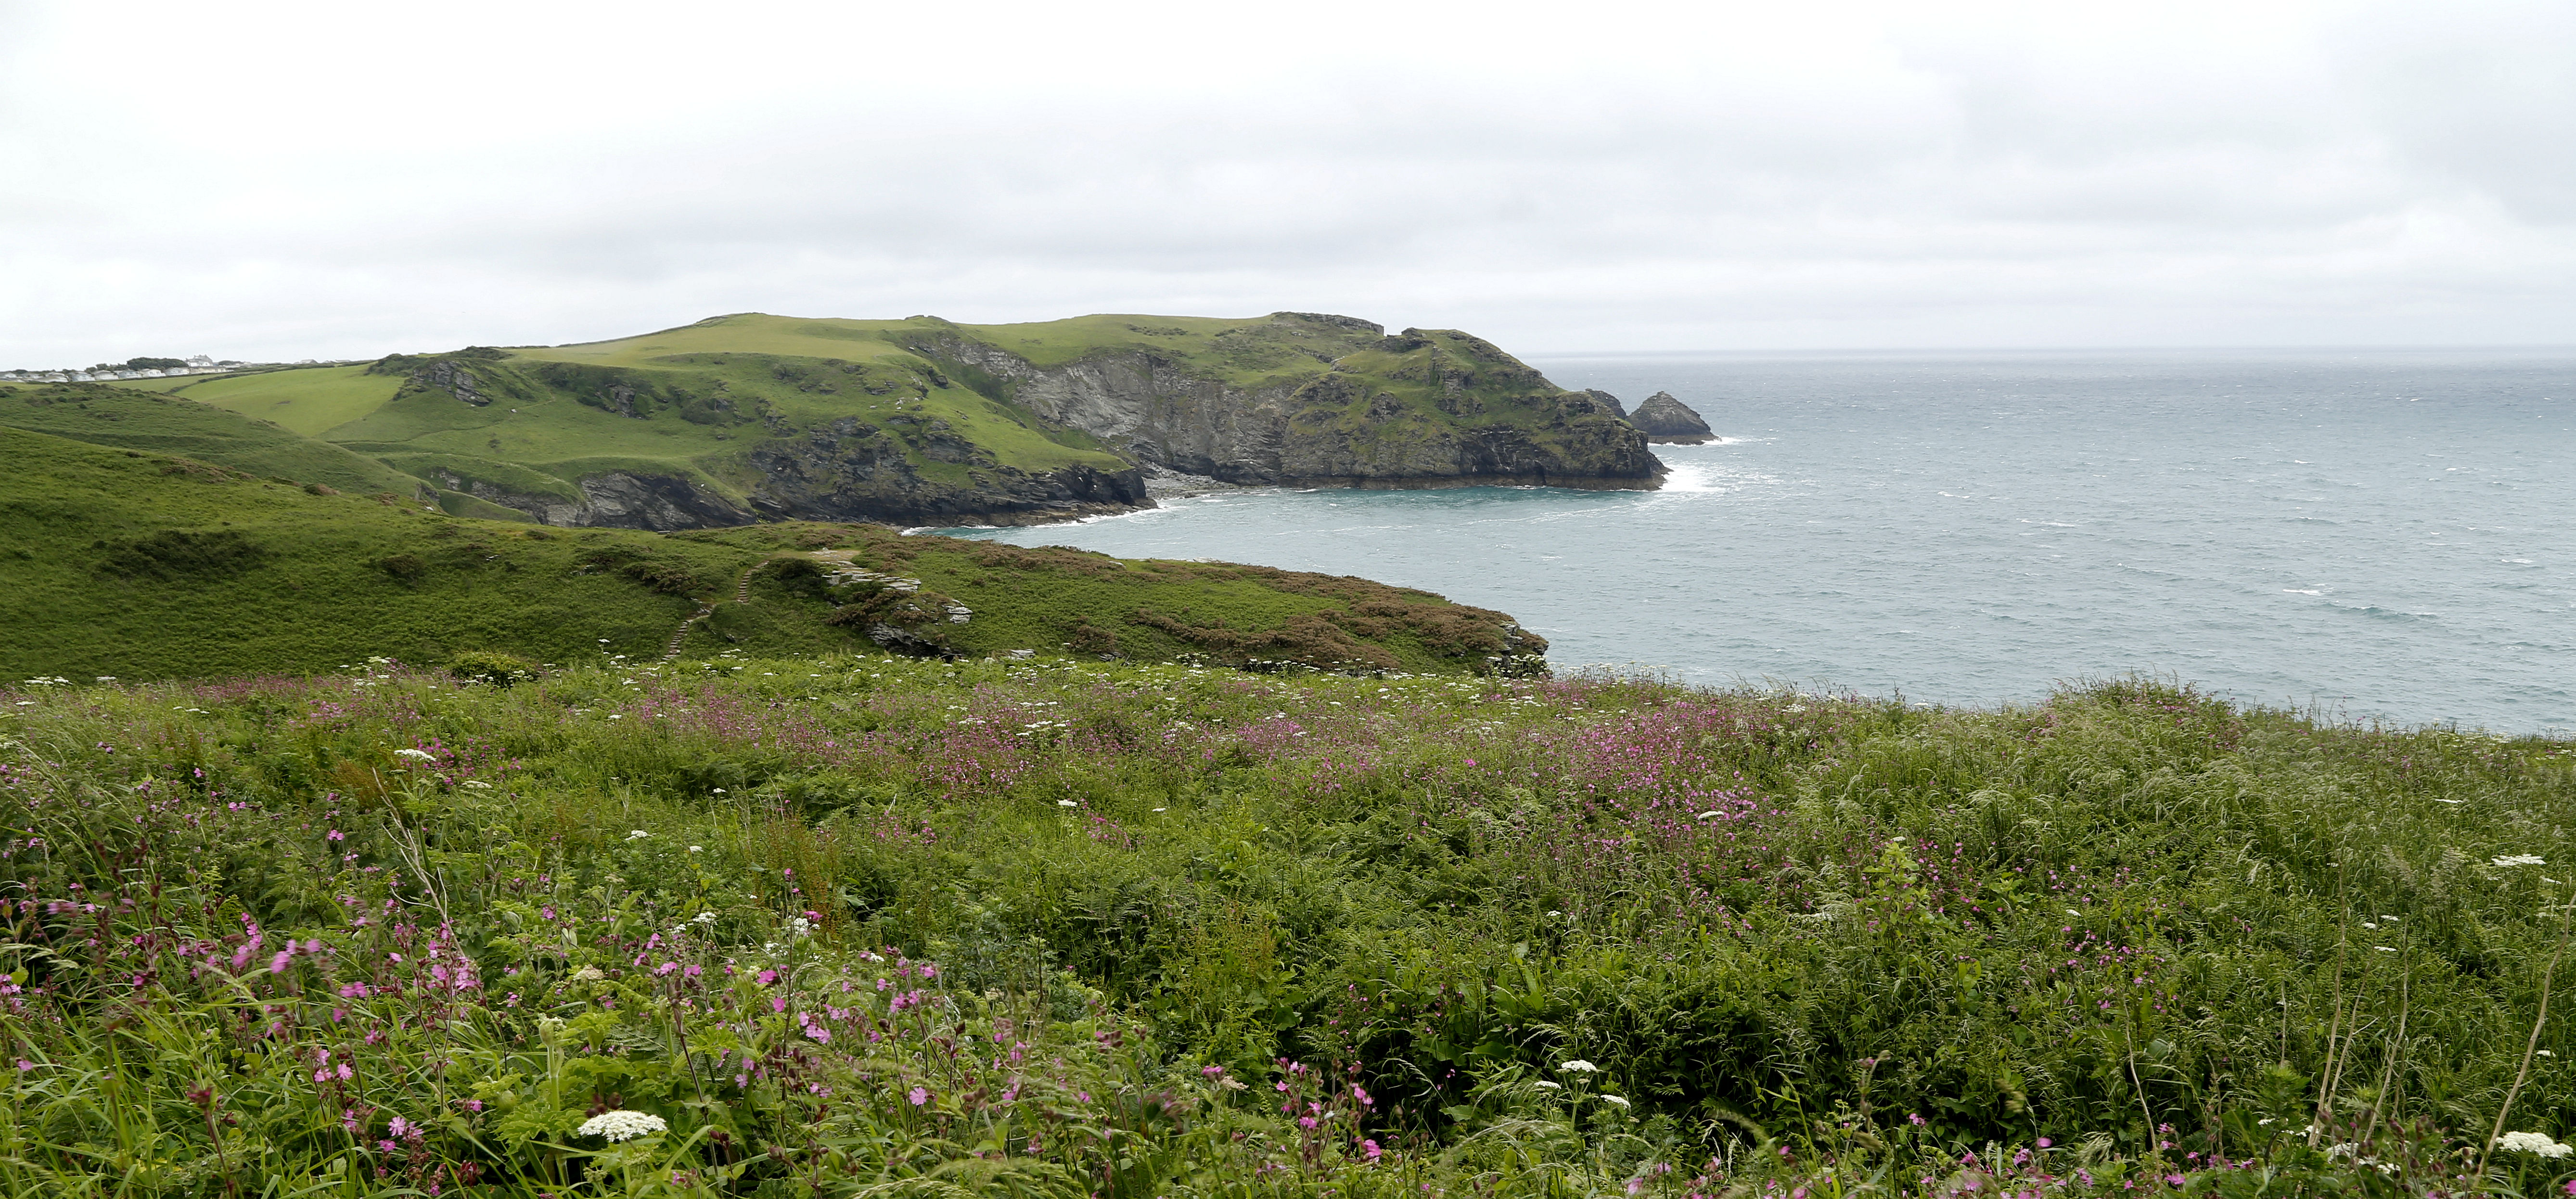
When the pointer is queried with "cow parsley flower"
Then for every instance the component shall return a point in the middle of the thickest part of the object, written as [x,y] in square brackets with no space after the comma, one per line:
[2521,859]
[2536,1143]
[417,755]
[1614,1099]
[1579,1066]
[637,835]
[621,1125]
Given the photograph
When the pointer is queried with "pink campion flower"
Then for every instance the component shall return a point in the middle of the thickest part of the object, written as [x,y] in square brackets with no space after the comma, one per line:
[2044,1142]
[1371,1146]
[767,977]
[819,1033]
[24,1065]
[346,1073]
[335,835]
[779,1004]
[399,1127]
[920,1096]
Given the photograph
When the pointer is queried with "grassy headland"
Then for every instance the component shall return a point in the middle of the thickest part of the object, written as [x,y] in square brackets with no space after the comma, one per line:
[864,925]
[924,421]
[142,565]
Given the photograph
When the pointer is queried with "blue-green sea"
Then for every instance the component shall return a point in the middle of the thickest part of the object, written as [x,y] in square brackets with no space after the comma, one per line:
[2382,534]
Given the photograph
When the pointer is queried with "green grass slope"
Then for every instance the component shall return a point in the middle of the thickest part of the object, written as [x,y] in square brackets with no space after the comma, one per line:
[139,420]
[135,564]
[310,400]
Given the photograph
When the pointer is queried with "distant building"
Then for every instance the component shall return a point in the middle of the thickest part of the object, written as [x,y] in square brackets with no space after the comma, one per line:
[201,360]
[56,377]
[80,377]
[149,373]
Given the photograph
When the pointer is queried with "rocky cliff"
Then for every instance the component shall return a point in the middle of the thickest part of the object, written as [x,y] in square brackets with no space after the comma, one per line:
[1326,399]
[1665,419]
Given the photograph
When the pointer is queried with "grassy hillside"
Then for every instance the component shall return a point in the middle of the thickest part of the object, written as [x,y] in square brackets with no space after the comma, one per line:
[861,926]
[140,564]
[127,419]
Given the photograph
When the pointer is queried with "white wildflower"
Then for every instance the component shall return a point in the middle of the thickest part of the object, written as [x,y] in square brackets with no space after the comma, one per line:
[588,974]
[2536,1143]
[1579,1066]
[2521,859]
[478,784]
[417,755]
[2385,948]
[1066,803]
[1614,1099]
[621,1125]
[697,849]
[1710,815]
[637,835]
[1545,1085]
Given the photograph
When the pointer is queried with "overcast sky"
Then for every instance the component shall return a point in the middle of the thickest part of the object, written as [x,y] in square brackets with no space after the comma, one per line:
[344,180]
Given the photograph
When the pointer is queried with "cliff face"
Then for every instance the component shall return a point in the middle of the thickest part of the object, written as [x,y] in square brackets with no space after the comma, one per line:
[1422,406]
[847,471]
[1663,418]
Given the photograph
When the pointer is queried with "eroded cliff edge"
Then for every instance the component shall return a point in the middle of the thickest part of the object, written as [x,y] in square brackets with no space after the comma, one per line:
[1312,398]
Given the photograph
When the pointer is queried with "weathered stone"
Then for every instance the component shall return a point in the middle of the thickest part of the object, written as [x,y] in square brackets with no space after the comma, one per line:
[1665,419]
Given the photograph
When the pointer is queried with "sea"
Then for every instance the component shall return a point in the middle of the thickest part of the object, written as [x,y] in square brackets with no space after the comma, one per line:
[2367,536]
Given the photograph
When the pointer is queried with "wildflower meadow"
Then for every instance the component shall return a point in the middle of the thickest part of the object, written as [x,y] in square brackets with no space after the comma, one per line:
[865,925]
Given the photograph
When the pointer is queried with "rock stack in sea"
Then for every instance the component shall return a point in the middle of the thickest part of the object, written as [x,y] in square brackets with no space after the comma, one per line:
[1663,418]
[1609,401]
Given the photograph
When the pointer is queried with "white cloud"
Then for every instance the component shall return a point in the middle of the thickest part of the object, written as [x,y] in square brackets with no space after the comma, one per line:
[347,180]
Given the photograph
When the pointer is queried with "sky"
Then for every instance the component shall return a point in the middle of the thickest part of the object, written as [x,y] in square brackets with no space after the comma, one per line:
[282,181]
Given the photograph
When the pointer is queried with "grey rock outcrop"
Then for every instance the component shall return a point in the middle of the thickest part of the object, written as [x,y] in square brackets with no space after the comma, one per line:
[848,470]
[616,500]
[1664,419]
[1321,424]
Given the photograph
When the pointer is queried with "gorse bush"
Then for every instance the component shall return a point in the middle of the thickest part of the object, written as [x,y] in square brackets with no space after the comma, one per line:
[873,925]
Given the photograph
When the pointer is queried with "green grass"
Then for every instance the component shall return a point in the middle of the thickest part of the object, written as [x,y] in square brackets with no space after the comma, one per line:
[140,565]
[309,400]
[130,420]
[2128,939]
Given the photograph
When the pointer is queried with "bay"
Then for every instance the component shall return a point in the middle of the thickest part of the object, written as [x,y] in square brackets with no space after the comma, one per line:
[2373,535]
